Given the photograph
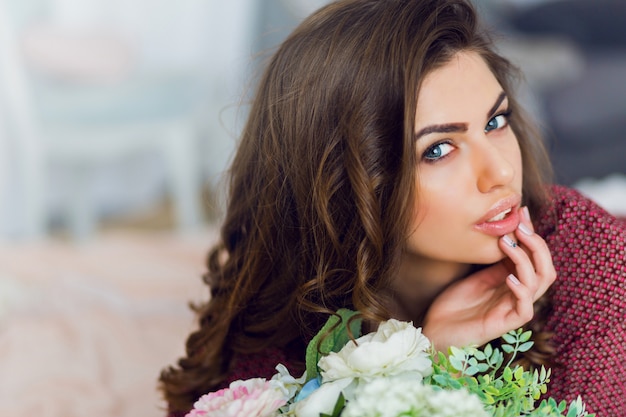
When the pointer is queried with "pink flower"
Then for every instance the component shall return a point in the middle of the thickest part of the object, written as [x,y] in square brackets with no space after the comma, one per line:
[251,398]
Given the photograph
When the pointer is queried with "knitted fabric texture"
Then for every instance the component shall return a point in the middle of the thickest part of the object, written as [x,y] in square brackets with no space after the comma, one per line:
[588,315]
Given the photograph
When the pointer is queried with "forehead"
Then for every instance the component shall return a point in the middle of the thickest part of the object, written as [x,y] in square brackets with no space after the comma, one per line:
[454,92]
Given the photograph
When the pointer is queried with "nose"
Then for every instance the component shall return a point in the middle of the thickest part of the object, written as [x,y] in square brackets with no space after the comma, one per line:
[492,167]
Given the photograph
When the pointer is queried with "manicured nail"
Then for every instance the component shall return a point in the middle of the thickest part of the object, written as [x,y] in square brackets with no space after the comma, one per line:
[525,229]
[509,241]
[526,214]
[513,279]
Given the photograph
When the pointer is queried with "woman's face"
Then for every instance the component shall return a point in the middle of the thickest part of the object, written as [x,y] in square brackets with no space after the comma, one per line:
[469,170]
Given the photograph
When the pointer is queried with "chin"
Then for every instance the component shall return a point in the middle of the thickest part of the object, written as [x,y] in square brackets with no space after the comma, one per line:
[489,257]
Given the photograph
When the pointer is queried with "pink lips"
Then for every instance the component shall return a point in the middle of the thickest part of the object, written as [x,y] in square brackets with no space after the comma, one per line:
[501,227]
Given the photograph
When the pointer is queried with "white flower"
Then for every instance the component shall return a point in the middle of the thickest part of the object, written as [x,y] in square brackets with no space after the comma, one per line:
[395,348]
[322,400]
[287,383]
[390,397]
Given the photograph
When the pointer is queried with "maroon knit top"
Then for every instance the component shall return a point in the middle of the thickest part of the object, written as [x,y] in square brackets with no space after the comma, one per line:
[588,314]
[589,303]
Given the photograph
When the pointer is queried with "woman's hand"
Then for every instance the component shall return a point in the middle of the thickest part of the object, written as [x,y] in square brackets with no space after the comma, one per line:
[497,299]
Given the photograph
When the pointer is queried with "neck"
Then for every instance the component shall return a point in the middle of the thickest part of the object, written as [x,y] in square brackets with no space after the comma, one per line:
[418,282]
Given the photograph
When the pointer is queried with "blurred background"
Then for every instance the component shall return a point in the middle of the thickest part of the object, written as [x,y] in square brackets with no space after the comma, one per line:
[122,111]
[117,121]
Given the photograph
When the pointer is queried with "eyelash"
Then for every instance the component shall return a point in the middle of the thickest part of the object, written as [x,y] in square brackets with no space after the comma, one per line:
[506,114]
[428,160]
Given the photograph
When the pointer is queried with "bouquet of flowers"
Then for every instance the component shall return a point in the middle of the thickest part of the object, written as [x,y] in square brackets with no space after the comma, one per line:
[394,372]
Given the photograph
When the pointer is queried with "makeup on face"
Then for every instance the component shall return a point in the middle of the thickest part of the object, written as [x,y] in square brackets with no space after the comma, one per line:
[502,218]
[469,173]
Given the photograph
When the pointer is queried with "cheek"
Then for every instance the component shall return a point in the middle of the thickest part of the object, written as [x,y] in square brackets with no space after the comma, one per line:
[516,161]
[441,192]
[438,213]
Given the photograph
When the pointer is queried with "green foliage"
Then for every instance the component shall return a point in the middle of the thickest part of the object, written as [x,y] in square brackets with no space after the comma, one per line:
[331,338]
[506,391]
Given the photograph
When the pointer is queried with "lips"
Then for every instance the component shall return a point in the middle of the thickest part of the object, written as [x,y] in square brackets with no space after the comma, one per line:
[501,218]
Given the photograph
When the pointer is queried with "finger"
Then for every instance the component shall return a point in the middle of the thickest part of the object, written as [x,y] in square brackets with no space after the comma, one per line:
[524,268]
[536,248]
[538,251]
[525,218]
[523,307]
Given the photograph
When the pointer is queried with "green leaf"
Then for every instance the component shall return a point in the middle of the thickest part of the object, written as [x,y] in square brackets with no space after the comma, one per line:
[489,399]
[510,337]
[488,350]
[496,359]
[341,402]
[573,411]
[331,338]
[508,348]
[525,337]
[479,355]
[455,351]
[507,374]
[456,363]
[482,367]
[491,390]
[441,380]
[454,383]
[472,370]
[525,346]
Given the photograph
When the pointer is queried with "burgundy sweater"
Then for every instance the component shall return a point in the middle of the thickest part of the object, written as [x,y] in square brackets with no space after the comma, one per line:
[589,303]
[588,317]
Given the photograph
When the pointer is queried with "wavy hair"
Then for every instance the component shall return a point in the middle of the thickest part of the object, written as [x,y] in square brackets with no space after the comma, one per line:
[322,183]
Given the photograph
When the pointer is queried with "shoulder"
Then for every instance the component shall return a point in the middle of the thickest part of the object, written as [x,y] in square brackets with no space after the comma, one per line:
[579,230]
[588,250]
[570,211]
[588,299]
[261,364]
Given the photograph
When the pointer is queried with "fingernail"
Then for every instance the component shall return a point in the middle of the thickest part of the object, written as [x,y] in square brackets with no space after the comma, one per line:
[526,214]
[525,229]
[509,241]
[513,279]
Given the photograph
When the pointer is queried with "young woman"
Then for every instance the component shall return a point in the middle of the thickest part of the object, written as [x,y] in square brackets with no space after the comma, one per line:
[386,167]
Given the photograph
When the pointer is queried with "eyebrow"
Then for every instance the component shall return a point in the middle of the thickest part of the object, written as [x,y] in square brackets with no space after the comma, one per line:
[458,127]
[497,104]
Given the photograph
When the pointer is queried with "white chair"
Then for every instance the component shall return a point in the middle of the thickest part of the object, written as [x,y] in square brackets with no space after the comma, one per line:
[109,113]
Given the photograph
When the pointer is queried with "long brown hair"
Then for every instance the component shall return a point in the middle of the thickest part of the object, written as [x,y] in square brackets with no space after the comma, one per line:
[321,187]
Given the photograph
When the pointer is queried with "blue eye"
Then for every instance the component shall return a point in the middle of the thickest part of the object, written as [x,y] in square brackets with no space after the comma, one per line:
[437,151]
[498,122]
